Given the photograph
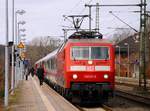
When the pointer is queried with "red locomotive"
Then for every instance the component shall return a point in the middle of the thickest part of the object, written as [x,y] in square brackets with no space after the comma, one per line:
[82,68]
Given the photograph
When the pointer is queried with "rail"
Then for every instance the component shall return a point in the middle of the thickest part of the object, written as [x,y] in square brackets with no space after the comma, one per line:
[134,97]
[130,81]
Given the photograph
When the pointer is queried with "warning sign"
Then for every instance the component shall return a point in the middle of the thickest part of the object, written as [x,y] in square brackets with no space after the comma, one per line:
[21,45]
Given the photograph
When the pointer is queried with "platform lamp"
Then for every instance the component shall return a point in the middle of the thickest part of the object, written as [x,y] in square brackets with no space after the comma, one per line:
[20,12]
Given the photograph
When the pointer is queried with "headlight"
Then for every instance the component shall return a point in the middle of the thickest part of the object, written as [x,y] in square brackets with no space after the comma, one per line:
[90,62]
[106,76]
[75,76]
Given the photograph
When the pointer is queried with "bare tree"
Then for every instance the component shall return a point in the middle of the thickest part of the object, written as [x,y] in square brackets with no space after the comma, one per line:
[121,35]
[41,46]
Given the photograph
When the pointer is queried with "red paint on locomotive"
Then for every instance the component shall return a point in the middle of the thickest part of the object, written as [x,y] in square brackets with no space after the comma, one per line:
[67,72]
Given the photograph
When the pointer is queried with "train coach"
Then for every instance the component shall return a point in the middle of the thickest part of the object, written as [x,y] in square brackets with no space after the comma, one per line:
[82,69]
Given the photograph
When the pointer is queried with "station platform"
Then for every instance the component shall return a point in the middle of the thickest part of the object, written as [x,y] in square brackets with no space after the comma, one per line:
[130,85]
[30,96]
[27,97]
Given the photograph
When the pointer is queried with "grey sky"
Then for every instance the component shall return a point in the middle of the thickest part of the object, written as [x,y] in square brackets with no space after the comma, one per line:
[44,17]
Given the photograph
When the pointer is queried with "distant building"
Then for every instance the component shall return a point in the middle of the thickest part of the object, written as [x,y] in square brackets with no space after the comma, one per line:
[124,68]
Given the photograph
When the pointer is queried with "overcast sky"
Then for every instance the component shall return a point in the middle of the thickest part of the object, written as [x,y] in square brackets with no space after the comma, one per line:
[45,17]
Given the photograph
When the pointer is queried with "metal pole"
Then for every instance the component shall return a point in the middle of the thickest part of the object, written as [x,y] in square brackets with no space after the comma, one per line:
[65,34]
[6,58]
[18,32]
[16,79]
[128,61]
[89,18]
[115,5]
[119,60]
[16,27]
[18,51]
[142,74]
[144,44]
[13,48]
[128,64]
[147,52]
[19,67]
[97,18]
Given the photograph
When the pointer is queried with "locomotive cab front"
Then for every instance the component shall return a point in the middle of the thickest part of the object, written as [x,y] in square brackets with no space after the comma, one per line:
[90,67]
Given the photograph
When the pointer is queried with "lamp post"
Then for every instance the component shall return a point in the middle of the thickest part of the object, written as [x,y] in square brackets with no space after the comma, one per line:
[117,46]
[128,57]
[6,58]
[13,48]
[18,12]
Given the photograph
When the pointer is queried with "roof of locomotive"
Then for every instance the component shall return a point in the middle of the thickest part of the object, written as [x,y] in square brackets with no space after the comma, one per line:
[88,37]
[89,41]
[50,55]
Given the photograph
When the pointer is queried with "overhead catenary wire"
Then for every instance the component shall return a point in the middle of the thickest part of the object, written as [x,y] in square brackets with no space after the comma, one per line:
[65,17]
[77,4]
[85,7]
[123,21]
[148,3]
[133,11]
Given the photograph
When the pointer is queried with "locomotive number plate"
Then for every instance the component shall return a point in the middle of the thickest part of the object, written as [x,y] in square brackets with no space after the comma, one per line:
[90,68]
[90,76]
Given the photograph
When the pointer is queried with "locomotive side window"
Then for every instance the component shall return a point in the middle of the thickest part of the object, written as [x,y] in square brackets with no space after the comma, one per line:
[99,53]
[80,53]
[90,53]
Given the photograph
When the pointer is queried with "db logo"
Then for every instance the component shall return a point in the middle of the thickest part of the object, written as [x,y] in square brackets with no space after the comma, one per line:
[90,68]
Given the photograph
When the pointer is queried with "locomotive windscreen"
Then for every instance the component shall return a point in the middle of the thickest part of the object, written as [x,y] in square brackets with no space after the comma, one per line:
[90,53]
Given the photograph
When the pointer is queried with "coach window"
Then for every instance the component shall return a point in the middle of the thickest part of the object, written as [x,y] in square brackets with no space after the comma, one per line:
[55,65]
[50,63]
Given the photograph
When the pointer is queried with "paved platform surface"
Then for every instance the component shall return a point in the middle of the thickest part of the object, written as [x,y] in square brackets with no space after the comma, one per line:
[33,97]
[29,98]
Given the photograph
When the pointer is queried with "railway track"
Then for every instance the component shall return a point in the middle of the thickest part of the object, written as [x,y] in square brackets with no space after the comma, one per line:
[102,107]
[110,107]
[75,107]
[107,108]
[134,97]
